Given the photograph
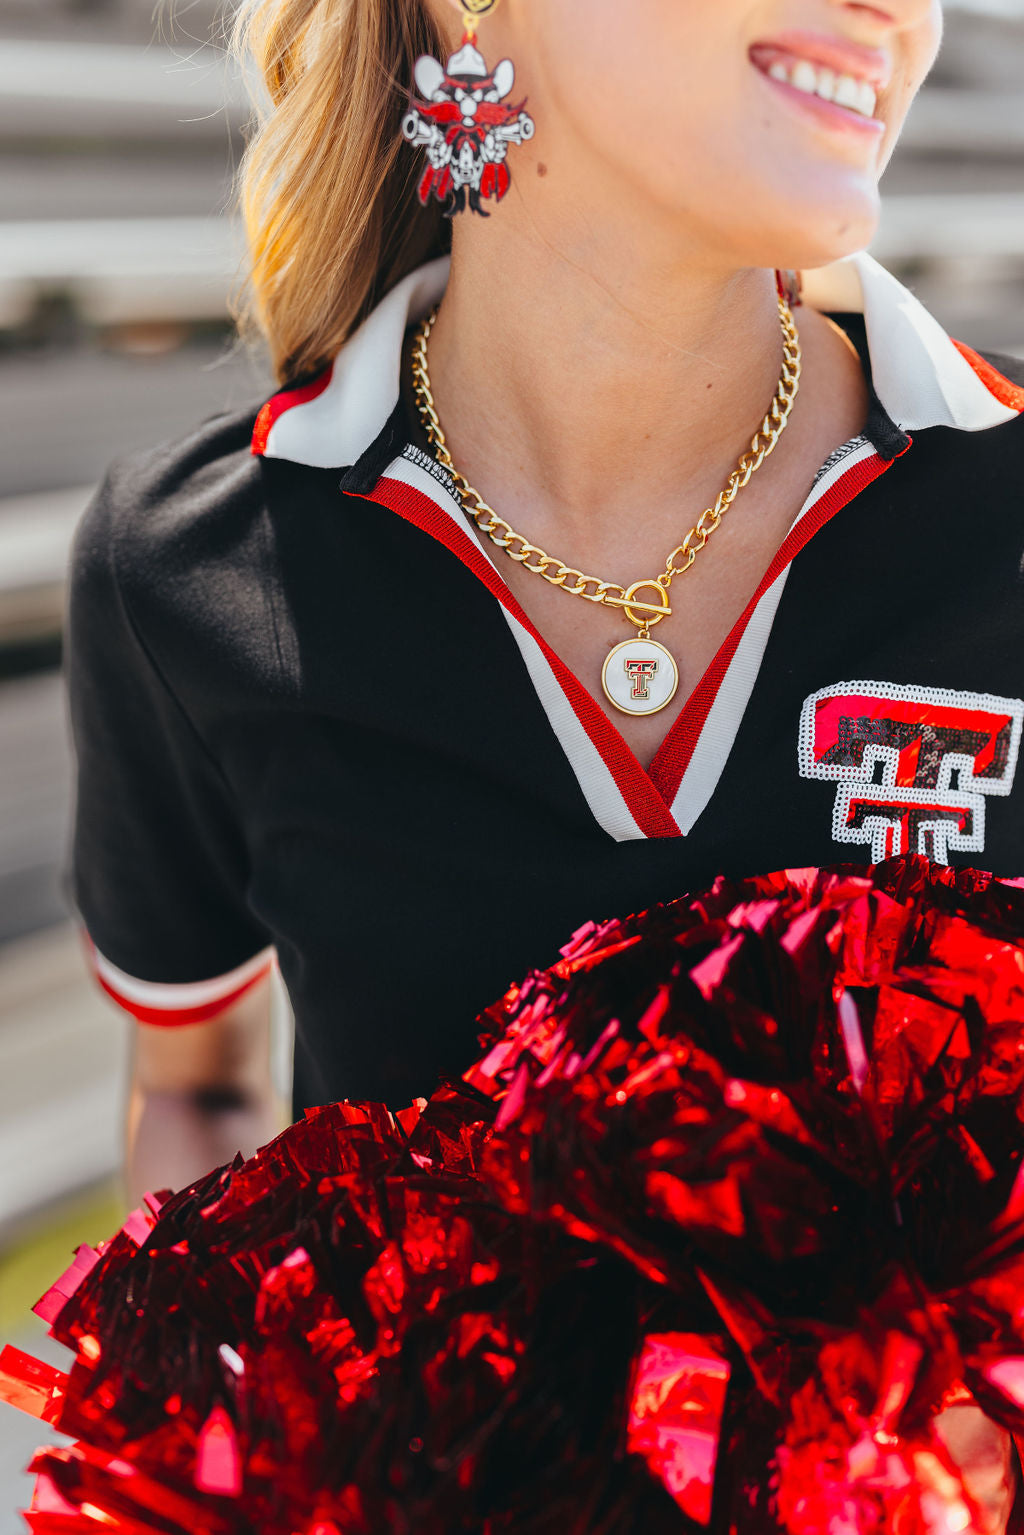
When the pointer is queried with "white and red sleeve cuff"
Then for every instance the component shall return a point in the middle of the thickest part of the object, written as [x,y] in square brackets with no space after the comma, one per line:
[168,1004]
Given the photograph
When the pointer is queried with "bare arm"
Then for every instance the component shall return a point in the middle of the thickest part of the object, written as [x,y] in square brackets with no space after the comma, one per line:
[200,1092]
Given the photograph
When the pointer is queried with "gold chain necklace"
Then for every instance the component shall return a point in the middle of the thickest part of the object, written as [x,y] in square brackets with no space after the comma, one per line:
[639,676]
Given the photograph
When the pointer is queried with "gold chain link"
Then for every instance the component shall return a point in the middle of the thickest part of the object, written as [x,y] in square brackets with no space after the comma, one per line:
[571,580]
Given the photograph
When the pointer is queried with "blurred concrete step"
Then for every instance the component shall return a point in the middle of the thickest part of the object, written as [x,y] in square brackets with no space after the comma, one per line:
[35,536]
[35,805]
[945,121]
[71,409]
[57,89]
[62,1074]
[120,271]
[936,226]
[79,181]
[115,20]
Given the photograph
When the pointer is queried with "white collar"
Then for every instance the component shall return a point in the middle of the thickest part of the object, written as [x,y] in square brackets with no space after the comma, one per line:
[921,376]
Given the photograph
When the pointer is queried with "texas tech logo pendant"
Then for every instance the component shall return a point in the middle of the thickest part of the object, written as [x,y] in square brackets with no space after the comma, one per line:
[639,677]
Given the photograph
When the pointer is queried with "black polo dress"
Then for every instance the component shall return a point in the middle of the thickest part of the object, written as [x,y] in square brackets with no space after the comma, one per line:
[289,754]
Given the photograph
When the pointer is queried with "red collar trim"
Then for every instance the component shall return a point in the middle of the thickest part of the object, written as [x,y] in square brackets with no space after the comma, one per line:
[998,385]
[286,400]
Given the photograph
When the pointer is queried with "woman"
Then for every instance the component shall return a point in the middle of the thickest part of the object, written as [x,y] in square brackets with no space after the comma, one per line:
[319,713]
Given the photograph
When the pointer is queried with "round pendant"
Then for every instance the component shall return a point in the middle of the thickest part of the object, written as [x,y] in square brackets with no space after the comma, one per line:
[639,677]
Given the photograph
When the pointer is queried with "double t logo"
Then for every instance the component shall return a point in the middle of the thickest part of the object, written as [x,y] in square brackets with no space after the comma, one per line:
[914,765]
[640,674]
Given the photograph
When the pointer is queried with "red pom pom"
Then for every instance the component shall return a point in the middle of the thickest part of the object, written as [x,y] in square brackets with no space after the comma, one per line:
[730,1208]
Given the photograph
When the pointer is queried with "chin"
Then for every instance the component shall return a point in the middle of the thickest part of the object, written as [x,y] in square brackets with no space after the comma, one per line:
[828,230]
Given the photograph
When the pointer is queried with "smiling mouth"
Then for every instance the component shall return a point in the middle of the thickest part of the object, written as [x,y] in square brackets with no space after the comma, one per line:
[826,71]
[843,90]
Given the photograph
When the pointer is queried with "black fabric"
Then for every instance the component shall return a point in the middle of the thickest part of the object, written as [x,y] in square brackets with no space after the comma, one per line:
[272,749]
[918,581]
[160,863]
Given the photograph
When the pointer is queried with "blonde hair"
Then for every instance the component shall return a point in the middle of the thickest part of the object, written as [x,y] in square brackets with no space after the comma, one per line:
[327,185]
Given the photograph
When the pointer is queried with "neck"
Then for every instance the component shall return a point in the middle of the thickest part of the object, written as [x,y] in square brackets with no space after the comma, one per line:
[582,381]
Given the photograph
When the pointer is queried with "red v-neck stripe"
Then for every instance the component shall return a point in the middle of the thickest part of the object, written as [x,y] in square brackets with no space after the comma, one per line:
[674,755]
[649,796]
[649,810]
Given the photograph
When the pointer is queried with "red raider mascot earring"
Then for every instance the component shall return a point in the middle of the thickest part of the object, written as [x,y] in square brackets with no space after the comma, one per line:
[463,122]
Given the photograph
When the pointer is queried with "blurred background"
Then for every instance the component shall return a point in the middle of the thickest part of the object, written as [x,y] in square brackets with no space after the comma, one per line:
[120,127]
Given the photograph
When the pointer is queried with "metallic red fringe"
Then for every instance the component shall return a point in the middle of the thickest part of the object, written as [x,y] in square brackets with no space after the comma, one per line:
[730,1207]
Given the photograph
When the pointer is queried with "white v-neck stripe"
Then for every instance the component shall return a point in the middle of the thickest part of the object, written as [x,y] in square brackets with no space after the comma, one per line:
[921,378]
[606,801]
[725,716]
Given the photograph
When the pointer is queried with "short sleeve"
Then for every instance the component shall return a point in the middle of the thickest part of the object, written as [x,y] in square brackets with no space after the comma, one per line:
[158,867]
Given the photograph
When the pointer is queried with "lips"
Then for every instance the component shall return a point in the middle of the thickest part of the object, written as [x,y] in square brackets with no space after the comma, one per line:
[838,81]
[872,65]
[818,80]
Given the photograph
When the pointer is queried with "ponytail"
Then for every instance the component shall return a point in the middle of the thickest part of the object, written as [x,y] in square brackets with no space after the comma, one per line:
[327,184]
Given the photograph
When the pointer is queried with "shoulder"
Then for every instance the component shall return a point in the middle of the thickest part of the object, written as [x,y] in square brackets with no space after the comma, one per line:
[175,553]
[163,505]
[186,522]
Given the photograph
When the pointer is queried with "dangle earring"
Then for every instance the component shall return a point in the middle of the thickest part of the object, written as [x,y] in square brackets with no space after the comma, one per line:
[464,123]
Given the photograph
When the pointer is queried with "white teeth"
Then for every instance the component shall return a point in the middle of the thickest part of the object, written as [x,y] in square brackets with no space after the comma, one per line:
[805,77]
[817,80]
[847,92]
[868,99]
[826,85]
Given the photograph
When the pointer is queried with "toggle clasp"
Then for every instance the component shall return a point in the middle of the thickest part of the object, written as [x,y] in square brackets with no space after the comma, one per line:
[652,613]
